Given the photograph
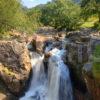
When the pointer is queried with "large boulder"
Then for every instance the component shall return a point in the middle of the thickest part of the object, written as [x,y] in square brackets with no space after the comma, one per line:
[37,43]
[15,65]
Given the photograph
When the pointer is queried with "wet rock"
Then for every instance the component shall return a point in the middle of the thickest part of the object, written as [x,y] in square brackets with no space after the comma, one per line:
[87,67]
[14,65]
[47,55]
[56,38]
[57,44]
[38,43]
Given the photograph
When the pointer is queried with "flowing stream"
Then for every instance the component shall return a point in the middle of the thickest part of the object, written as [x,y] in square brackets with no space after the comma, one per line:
[53,85]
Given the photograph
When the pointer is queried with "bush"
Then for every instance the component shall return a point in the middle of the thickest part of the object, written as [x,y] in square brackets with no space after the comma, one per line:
[97,26]
[12,16]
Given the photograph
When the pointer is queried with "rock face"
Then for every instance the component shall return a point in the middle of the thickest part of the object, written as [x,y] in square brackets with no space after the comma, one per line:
[79,59]
[46,30]
[37,43]
[15,65]
[93,85]
[79,48]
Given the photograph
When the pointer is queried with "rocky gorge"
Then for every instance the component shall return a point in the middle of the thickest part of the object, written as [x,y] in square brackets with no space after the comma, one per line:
[16,67]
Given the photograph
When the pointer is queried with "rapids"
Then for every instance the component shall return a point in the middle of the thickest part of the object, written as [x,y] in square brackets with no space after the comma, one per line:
[53,85]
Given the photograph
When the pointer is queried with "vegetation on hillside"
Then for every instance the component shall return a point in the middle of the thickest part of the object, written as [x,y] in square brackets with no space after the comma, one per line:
[12,16]
[60,14]
[91,8]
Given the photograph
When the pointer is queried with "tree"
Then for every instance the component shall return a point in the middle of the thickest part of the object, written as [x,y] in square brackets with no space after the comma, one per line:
[8,9]
[61,14]
[34,15]
[12,16]
[91,7]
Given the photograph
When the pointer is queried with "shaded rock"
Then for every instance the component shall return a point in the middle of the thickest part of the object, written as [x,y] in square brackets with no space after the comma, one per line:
[7,97]
[78,57]
[79,47]
[56,38]
[47,55]
[87,67]
[14,65]
[79,95]
[78,36]
[78,53]
[57,44]
[11,97]
[46,30]
[93,85]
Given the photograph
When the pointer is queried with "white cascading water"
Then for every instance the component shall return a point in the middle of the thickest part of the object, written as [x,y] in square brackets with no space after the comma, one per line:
[57,86]
[37,89]
[59,80]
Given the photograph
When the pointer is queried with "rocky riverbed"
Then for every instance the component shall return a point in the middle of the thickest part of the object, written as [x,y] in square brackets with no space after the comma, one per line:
[15,66]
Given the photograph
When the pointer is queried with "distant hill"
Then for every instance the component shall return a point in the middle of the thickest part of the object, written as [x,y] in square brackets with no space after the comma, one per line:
[77,1]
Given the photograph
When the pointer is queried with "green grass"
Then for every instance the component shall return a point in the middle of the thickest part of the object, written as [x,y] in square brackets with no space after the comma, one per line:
[96,69]
[97,51]
[5,35]
[90,22]
[96,62]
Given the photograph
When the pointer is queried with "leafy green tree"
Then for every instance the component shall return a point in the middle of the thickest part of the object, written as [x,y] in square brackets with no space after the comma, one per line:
[8,10]
[90,7]
[12,16]
[34,15]
[61,14]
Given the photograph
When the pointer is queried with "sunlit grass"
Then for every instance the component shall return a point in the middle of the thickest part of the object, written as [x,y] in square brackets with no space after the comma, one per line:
[90,22]
[6,70]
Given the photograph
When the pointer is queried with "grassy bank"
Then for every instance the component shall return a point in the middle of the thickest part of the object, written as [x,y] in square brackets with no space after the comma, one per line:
[96,62]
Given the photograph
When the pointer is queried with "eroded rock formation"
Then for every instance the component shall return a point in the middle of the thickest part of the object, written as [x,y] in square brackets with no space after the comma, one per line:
[15,65]
[79,58]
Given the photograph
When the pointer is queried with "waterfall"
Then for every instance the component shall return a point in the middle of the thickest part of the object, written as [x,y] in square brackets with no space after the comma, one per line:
[59,79]
[37,87]
[57,84]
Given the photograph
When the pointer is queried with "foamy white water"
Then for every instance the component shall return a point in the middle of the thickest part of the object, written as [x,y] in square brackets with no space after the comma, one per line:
[57,86]
[60,83]
[37,89]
